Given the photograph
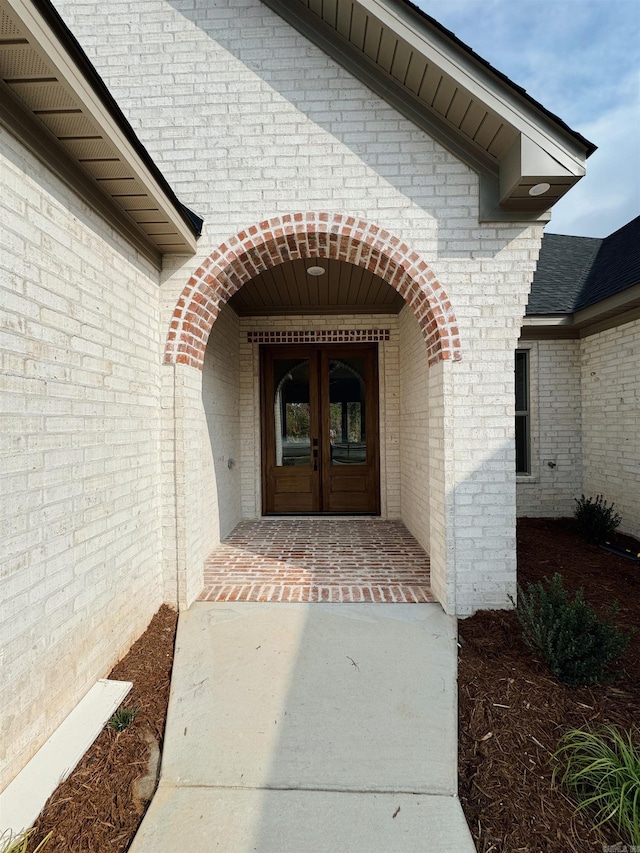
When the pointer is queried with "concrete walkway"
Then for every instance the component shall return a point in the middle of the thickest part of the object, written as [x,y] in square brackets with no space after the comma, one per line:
[310,728]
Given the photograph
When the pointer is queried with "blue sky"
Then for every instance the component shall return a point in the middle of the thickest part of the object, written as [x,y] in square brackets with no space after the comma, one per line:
[581,59]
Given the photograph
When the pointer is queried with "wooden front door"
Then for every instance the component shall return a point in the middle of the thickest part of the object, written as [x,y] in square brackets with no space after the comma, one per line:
[320,429]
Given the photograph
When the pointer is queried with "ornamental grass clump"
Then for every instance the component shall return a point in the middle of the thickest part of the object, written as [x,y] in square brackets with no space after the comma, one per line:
[10,843]
[596,519]
[122,719]
[578,645]
[601,770]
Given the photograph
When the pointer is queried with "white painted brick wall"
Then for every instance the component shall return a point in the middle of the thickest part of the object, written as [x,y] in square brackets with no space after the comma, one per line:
[221,498]
[80,348]
[555,406]
[414,429]
[611,419]
[247,119]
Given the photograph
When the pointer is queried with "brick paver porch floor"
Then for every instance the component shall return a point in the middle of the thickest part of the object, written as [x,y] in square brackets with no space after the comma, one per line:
[318,559]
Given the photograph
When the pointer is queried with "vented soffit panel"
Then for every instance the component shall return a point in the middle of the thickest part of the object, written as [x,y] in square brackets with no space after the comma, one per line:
[427,74]
[52,98]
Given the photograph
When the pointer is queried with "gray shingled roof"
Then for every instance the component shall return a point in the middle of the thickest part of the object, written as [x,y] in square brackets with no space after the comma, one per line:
[575,272]
[616,266]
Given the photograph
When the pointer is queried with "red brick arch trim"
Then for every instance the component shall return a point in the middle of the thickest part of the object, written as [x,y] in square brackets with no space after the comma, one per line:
[309,235]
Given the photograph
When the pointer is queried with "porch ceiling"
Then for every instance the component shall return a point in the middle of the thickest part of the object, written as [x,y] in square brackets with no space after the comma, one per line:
[289,289]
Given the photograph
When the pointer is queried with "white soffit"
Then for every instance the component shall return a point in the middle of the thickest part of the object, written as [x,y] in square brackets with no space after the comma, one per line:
[480,116]
[48,100]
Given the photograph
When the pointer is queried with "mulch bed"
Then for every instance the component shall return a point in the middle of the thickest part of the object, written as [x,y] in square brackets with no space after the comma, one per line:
[97,810]
[512,714]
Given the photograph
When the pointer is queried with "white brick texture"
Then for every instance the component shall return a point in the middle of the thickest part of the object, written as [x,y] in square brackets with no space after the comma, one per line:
[610,364]
[556,424]
[414,430]
[80,349]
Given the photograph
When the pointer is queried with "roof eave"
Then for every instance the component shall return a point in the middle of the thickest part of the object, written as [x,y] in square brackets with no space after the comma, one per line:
[622,307]
[48,34]
[544,150]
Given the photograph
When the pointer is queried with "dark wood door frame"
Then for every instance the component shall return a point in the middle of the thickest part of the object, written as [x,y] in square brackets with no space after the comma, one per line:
[322,487]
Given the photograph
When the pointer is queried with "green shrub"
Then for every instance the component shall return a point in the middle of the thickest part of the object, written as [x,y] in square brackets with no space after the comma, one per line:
[578,646]
[122,718]
[596,519]
[602,771]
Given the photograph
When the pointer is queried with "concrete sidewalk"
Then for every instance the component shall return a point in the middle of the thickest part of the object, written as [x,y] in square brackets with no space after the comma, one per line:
[310,728]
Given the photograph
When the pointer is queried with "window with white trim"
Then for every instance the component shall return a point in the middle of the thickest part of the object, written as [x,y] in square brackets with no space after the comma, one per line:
[523,414]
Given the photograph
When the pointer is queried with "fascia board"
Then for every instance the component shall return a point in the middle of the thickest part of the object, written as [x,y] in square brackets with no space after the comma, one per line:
[617,302]
[617,319]
[548,320]
[623,307]
[478,81]
[37,28]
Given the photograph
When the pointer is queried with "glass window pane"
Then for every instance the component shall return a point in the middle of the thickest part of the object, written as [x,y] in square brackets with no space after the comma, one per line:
[522,444]
[522,384]
[347,420]
[292,412]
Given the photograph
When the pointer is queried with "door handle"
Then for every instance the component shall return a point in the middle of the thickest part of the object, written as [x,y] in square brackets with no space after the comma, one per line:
[315,458]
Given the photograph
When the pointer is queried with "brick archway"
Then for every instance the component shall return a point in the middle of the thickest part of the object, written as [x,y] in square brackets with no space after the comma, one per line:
[309,235]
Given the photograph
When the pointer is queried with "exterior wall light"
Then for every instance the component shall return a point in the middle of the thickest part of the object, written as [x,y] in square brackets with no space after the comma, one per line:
[539,189]
[315,271]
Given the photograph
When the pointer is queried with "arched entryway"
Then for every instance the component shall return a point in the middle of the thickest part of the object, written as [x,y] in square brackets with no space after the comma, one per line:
[220,484]
[309,235]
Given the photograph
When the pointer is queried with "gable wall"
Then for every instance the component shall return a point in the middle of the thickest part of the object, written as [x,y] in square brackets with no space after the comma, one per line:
[247,120]
[80,491]
[610,363]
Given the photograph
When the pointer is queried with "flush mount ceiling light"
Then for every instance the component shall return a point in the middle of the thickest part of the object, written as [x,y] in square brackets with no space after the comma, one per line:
[315,271]
[539,189]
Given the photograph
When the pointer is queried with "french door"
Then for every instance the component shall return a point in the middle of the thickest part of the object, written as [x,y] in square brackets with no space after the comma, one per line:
[319,423]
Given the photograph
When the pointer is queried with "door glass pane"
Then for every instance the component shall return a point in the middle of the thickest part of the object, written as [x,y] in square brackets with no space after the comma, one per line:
[292,411]
[347,421]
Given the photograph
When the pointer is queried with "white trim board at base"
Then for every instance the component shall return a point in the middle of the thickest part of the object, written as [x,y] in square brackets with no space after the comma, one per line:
[23,799]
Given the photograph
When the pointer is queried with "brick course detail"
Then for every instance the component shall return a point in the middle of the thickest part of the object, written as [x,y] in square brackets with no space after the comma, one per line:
[333,560]
[319,336]
[309,235]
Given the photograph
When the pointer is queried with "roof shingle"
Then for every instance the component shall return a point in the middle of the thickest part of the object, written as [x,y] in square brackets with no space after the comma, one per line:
[576,272]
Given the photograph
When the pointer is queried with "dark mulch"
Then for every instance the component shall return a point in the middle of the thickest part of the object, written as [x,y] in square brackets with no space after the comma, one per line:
[96,810]
[512,713]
